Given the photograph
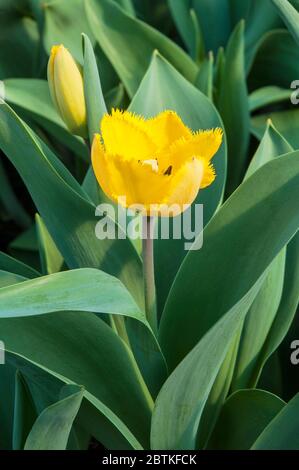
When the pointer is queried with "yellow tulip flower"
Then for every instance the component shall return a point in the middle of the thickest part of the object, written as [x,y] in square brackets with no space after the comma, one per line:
[67,89]
[158,163]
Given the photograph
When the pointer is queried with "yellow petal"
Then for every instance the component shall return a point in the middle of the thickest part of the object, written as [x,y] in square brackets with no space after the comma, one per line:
[101,167]
[125,134]
[166,128]
[209,174]
[184,187]
[67,89]
[202,144]
[137,181]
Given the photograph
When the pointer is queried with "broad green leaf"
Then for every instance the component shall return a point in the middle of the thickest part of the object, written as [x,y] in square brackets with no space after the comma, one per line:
[286,122]
[114,30]
[24,413]
[88,290]
[95,102]
[69,217]
[32,97]
[290,16]
[51,259]
[246,234]
[7,263]
[164,88]
[282,432]
[234,109]
[10,201]
[243,417]
[52,428]
[266,96]
[180,403]
[93,356]
[277,51]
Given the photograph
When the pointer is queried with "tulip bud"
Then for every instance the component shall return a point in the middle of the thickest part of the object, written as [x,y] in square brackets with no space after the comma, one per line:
[67,89]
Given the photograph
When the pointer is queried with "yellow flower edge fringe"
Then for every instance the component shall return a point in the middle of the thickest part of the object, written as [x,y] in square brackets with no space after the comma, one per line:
[154,163]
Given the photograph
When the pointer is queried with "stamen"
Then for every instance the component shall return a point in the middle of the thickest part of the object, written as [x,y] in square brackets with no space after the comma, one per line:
[153,163]
[168,171]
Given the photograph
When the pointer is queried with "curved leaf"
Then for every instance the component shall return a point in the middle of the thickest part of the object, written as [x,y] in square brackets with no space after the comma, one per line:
[52,428]
[243,417]
[243,236]
[114,30]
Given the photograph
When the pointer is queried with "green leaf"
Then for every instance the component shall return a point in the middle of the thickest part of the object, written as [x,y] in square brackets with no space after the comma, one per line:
[51,259]
[93,356]
[213,17]
[88,290]
[18,44]
[181,14]
[277,51]
[288,305]
[282,432]
[234,109]
[261,17]
[290,16]
[52,428]
[114,30]
[7,279]
[204,79]
[263,311]
[95,102]
[65,22]
[243,417]
[180,403]
[116,98]
[10,201]
[127,5]
[93,417]
[7,263]
[272,145]
[32,97]
[266,96]
[69,217]
[24,413]
[164,88]
[243,235]
[286,122]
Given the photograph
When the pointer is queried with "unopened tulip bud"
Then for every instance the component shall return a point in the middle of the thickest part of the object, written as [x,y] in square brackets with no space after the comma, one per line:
[67,89]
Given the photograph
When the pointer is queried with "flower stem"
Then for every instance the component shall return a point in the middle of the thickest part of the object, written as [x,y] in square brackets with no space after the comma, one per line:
[149,272]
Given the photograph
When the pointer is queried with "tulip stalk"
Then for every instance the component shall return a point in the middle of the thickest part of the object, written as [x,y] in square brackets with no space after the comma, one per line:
[149,272]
